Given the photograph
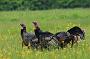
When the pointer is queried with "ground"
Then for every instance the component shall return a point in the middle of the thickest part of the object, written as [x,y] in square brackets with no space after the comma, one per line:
[49,20]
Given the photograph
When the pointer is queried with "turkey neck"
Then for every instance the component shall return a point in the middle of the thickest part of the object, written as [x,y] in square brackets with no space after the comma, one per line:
[37,32]
[23,31]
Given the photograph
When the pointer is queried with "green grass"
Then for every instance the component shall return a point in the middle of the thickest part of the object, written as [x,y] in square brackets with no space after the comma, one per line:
[49,20]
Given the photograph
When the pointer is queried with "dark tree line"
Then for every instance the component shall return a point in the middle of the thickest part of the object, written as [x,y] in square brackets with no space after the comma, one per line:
[42,4]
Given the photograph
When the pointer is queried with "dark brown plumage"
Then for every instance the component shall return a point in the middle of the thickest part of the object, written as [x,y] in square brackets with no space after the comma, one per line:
[43,37]
[77,31]
[64,38]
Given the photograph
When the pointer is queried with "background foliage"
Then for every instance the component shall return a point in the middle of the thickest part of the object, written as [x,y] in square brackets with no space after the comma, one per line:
[42,4]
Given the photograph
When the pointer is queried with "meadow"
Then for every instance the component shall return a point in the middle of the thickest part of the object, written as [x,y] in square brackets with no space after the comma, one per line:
[49,20]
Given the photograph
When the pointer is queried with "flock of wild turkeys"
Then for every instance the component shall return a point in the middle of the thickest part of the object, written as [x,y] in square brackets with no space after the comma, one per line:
[43,40]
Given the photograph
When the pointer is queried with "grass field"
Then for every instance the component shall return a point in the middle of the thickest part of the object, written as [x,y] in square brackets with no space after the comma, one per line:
[50,20]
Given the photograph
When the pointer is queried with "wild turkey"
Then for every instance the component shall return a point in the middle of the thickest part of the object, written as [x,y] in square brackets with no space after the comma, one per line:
[28,39]
[64,38]
[43,37]
[77,32]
